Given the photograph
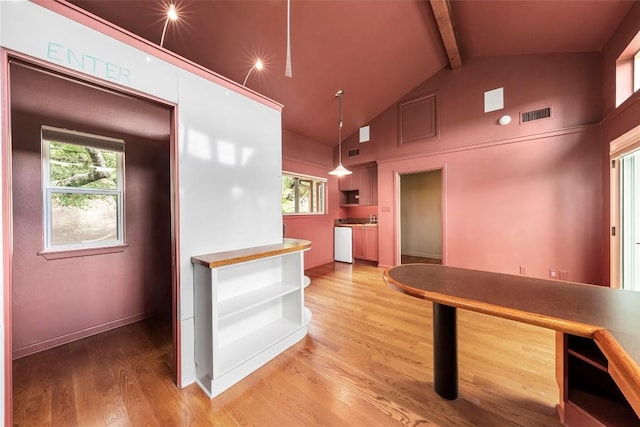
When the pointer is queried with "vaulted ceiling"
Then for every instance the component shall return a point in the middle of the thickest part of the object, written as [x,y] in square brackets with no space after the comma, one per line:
[376,51]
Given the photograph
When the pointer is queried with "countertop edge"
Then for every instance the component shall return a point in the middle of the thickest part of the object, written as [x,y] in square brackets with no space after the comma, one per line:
[219,259]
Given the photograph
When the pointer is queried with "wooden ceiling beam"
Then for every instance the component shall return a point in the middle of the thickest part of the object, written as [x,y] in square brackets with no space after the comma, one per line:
[442,13]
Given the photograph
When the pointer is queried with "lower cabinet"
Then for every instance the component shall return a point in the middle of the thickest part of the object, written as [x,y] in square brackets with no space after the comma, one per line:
[588,394]
[365,243]
[249,307]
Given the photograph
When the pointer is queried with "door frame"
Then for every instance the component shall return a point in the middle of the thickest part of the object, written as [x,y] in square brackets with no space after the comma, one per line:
[618,148]
[7,215]
[397,216]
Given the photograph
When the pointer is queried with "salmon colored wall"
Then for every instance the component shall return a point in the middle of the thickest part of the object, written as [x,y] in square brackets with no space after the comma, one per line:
[525,195]
[569,83]
[360,211]
[619,120]
[57,301]
[304,156]
[533,203]
[534,195]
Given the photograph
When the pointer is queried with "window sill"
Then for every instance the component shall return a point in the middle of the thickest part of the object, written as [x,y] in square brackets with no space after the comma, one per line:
[75,253]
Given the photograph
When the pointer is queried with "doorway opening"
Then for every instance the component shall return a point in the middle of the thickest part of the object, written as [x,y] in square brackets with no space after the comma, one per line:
[59,298]
[630,221]
[624,211]
[421,218]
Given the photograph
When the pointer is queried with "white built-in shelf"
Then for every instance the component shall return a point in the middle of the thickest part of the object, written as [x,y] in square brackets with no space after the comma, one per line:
[306,281]
[249,307]
[254,343]
[244,302]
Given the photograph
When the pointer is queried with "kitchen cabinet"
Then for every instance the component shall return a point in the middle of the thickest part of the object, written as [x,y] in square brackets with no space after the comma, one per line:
[249,307]
[360,188]
[588,394]
[369,186]
[365,242]
[350,182]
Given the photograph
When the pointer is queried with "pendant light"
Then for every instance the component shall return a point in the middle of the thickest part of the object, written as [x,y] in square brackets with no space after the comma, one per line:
[340,170]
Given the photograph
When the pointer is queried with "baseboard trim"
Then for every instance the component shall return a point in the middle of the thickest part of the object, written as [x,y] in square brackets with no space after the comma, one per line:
[78,335]
[423,255]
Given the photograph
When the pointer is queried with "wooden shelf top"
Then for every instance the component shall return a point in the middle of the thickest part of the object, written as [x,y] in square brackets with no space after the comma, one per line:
[220,259]
[611,317]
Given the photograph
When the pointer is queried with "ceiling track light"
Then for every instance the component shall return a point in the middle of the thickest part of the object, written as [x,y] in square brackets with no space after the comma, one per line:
[340,170]
[172,15]
[259,65]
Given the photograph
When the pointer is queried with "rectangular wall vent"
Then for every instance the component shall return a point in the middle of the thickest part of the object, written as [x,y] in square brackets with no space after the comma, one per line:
[529,116]
[354,152]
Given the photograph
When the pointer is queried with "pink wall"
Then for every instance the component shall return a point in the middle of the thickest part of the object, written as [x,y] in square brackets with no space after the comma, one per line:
[519,195]
[569,83]
[533,195]
[304,156]
[533,203]
[57,301]
[618,120]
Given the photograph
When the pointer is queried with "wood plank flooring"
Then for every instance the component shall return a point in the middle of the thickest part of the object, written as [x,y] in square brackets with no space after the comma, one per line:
[366,361]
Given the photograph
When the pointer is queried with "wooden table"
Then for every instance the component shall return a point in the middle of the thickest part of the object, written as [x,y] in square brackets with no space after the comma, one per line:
[611,317]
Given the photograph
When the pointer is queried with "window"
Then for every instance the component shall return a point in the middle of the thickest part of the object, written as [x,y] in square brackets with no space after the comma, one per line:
[83,178]
[302,195]
[628,71]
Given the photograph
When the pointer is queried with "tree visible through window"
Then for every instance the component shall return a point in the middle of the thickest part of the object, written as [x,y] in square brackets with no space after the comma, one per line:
[302,194]
[82,189]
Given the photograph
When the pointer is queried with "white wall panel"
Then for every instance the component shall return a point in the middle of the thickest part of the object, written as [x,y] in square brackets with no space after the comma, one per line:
[230,175]
[29,28]
[229,145]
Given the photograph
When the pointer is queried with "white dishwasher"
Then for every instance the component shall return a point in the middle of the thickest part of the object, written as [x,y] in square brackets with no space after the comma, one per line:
[342,244]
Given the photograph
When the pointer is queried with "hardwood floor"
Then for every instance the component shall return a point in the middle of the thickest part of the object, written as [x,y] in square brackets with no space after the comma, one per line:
[366,361]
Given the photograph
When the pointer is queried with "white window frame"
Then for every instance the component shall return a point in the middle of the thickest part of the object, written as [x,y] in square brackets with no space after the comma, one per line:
[321,210]
[53,134]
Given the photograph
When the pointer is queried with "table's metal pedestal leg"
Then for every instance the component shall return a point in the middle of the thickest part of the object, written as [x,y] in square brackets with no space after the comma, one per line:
[445,352]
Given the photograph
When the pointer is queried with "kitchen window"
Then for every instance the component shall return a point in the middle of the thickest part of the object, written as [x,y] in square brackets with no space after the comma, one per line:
[302,194]
[83,180]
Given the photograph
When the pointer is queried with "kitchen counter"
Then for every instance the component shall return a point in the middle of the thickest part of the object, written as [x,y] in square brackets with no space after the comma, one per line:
[356,225]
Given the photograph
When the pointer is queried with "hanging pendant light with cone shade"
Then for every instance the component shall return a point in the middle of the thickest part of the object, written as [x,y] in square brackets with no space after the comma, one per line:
[340,170]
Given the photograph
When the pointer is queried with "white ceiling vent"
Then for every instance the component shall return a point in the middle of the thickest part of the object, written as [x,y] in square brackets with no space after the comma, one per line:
[529,116]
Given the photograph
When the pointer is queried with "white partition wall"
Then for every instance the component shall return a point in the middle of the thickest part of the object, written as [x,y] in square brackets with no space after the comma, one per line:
[230,182]
[229,140]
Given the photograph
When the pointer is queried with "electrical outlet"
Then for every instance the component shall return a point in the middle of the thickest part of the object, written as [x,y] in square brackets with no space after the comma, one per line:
[564,275]
[523,270]
[553,274]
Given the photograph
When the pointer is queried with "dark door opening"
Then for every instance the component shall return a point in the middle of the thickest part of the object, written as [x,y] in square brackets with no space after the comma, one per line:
[421,216]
